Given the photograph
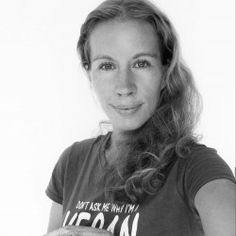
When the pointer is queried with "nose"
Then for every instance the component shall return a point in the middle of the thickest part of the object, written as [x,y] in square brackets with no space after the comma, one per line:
[125,83]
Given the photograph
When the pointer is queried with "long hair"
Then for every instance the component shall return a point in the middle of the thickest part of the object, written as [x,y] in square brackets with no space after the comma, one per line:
[141,168]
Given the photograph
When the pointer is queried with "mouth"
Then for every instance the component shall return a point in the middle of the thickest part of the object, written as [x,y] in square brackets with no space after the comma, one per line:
[123,107]
[127,110]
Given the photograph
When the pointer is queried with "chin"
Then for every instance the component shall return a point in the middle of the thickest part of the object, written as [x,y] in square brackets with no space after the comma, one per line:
[130,126]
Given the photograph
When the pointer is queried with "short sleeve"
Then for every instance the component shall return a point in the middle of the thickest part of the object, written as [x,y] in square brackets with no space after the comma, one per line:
[54,189]
[204,166]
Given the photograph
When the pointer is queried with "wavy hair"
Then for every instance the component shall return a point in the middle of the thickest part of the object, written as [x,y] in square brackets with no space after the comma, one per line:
[144,160]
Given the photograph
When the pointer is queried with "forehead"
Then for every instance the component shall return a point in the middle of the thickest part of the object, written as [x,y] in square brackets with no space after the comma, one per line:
[116,37]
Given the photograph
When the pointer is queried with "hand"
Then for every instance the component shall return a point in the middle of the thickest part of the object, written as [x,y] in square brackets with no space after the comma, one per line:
[72,230]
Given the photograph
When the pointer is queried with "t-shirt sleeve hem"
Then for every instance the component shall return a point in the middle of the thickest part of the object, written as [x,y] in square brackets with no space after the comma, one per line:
[53,196]
[211,179]
[198,187]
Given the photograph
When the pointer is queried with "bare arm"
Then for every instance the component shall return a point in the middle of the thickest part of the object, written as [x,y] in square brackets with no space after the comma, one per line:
[55,217]
[215,202]
[55,229]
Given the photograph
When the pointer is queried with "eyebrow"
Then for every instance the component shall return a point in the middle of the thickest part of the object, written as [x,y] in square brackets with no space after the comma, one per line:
[153,55]
[99,57]
[143,54]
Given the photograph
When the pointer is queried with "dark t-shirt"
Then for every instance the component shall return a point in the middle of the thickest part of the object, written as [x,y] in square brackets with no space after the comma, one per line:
[170,212]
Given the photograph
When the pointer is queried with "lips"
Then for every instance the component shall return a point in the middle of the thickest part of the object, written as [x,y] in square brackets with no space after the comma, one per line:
[127,107]
[127,111]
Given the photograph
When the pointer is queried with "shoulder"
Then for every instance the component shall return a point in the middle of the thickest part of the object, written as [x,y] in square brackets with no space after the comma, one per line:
[206,164]
[202,157]
[82,149]
[75,154]
[79,149]
[200,151]
[201,166]
[84,145]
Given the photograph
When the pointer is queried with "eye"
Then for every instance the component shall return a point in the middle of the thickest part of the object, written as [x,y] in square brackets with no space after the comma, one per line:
[142,64]
[106,66]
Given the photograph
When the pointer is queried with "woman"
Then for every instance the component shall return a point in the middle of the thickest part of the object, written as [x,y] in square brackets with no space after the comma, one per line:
[149,176]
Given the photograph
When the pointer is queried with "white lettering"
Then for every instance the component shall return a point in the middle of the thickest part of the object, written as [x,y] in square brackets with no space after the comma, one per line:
[124,231]
[117,209]
[111,227]
[95,206]
[67,215]
[82,205]
[73,219]
[99,217]
[135,225]
[105,207]
[83,216]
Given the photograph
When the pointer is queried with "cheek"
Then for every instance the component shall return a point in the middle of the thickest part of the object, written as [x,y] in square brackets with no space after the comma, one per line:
[102,90]
[152,91]
[153,100]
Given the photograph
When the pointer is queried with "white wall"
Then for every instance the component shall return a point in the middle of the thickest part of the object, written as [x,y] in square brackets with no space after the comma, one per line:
[46,104]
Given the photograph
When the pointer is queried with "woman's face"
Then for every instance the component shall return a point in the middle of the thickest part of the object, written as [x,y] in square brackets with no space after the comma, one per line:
[126,71]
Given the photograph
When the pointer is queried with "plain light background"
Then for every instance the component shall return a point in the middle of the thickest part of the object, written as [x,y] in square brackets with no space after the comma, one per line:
[46,103]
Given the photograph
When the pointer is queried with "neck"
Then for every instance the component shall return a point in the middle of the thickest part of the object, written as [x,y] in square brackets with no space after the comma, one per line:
[120,140]
[116,146]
